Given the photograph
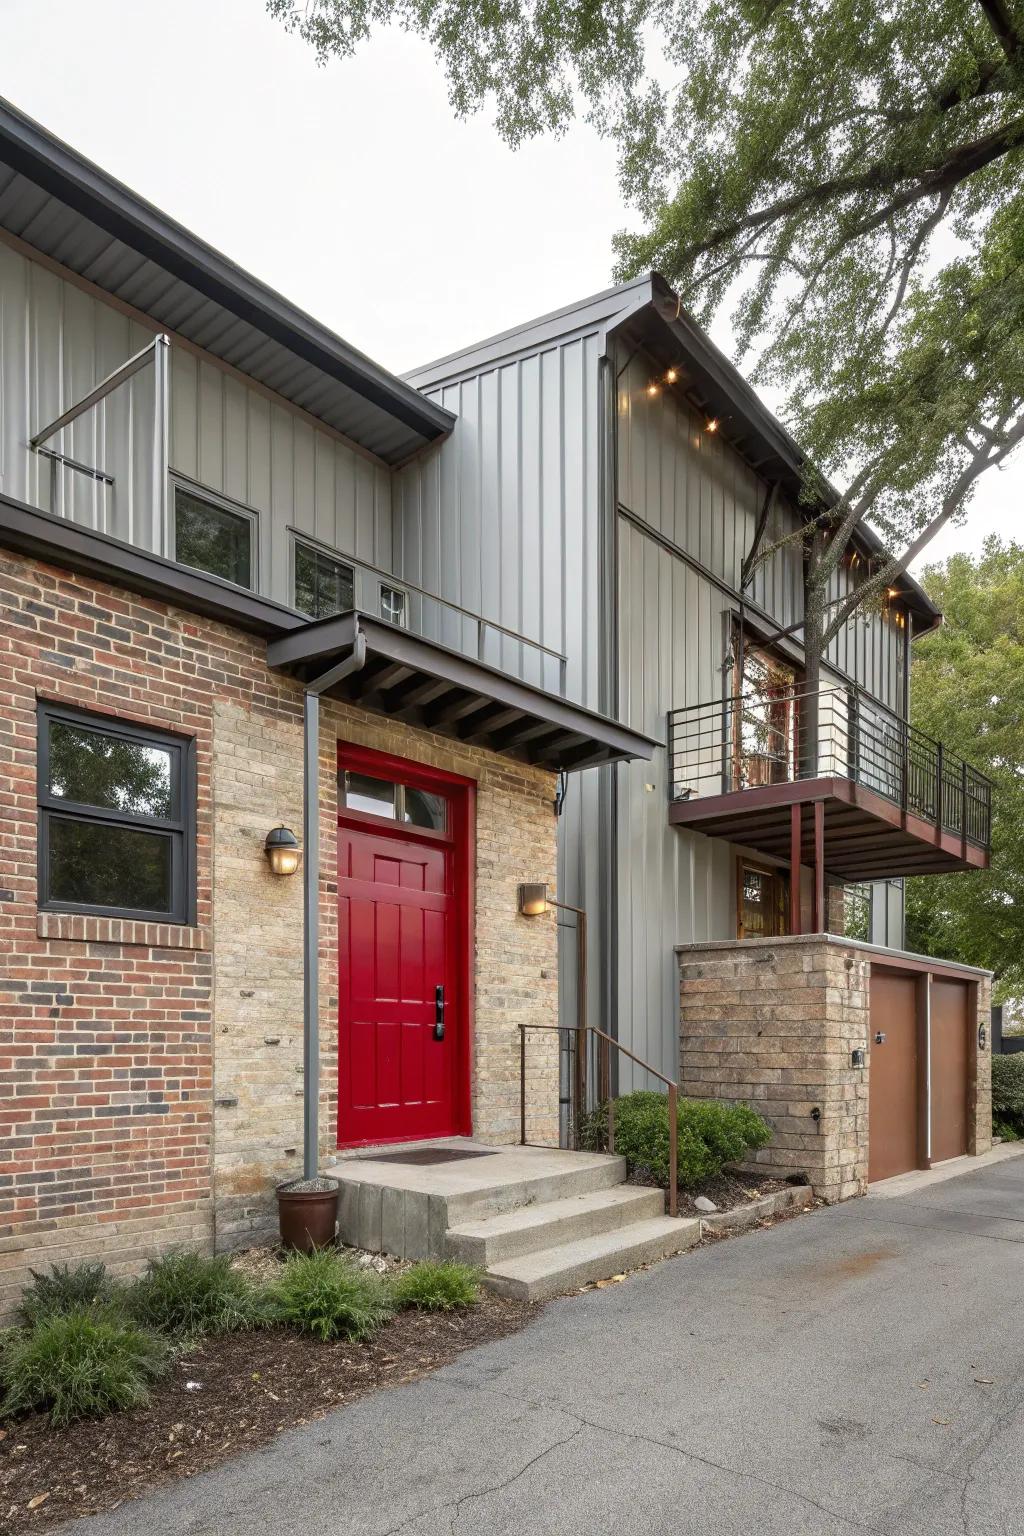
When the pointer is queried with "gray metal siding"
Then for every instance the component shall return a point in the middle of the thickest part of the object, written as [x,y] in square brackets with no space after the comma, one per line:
[57,341]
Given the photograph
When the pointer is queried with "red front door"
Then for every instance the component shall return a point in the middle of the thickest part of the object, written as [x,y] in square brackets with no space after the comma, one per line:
[400,1008]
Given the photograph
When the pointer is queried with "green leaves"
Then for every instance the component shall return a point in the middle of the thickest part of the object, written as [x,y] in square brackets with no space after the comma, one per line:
[967,689]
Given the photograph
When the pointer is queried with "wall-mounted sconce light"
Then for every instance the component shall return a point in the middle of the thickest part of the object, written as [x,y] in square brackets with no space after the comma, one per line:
[857,1058]
[982,1037]
[282,851]
[533,900]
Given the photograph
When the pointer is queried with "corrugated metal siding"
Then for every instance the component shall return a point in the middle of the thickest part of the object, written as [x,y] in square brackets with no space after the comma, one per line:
[56,342]
[504,518]
[694,488]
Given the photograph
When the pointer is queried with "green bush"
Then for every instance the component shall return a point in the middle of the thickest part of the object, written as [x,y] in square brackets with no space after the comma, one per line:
[1008,1091]
[327,1295]
[191,1294]
[710,1134]
[1004,1130]
[65,1289]
[79,1365]
[433,1287]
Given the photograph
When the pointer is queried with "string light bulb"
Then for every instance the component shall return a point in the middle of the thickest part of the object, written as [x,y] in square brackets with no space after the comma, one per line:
[652,389]
[671,376]
[711,425]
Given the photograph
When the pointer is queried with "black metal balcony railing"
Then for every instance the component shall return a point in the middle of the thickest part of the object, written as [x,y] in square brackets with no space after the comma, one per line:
[752,741]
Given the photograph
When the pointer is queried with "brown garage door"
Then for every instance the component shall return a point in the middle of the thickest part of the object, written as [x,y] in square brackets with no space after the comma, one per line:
[892,1075]
[949,1068]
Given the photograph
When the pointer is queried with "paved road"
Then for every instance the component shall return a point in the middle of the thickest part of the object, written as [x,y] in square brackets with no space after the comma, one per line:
[820,1377]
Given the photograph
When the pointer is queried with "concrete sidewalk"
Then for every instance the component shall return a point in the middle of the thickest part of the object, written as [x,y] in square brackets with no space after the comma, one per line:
[856,1369]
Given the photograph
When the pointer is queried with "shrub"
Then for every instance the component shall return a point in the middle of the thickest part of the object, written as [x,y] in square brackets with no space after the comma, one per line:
[327,1295]
[79,1365]
[1008,1091]
[65,1289]
[710,1134]
[1004,1130]
[190,1293]
[433,1287]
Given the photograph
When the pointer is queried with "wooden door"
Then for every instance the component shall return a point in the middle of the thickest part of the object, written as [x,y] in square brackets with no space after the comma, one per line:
[892,1075]
[400,1012]
[950,1043]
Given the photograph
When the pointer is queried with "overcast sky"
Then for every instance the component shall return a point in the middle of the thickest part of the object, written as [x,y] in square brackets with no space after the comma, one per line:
[351,189]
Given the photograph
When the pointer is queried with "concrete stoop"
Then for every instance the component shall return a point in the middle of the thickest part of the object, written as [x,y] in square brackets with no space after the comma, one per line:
[538,1221]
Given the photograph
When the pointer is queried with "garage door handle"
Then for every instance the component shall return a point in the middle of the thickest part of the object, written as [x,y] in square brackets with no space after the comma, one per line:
[880,1038]
[439,1013]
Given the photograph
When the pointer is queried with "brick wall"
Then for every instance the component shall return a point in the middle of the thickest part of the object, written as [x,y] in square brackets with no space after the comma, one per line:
[773,1023]
[116,1037]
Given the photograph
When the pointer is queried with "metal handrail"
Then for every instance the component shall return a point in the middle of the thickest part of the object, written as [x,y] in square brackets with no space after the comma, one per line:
[605,1095]
[746,741]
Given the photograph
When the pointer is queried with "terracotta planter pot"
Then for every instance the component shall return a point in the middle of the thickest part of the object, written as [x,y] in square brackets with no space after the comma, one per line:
[307,1213]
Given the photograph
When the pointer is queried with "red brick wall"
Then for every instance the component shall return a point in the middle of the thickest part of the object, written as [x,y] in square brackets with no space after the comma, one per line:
[106,1044]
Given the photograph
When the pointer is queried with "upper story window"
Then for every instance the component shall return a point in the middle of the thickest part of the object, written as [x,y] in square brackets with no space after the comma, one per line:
[393,605]
[214,537]
[116,818]
[323,585]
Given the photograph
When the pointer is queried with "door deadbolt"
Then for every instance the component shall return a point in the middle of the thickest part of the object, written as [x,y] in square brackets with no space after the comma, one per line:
[880,1038]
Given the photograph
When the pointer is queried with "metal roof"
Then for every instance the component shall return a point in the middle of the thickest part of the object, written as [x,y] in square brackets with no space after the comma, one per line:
[649,312]
[408,678]
[72,211]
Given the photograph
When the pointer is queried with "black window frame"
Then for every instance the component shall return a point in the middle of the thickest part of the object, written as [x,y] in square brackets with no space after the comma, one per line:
[319,552]
[179,828]
[217,503]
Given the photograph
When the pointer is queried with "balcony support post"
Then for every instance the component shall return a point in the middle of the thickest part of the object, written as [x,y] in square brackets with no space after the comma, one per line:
[819,867]
[795,837]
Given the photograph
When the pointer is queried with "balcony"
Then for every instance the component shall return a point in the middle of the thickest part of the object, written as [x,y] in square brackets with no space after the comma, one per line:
[885,800]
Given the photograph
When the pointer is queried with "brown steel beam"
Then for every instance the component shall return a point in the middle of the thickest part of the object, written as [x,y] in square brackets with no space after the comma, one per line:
[795,831]
[819,867]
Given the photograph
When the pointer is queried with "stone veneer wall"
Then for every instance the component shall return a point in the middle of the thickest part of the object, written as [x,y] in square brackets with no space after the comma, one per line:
[152,1072]
[773,1022]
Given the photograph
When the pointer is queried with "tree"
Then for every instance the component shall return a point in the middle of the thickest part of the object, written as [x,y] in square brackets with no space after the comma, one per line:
[967,689]
[844,175]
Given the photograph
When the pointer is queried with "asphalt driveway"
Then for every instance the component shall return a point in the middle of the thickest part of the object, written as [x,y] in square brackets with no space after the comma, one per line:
[857,1369]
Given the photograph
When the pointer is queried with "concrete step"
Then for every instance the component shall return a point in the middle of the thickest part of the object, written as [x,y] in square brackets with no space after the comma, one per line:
[529,1228]
[554,1271]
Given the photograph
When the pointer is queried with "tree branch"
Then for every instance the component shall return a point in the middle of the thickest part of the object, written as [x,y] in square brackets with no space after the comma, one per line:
[998,16]
[768,506]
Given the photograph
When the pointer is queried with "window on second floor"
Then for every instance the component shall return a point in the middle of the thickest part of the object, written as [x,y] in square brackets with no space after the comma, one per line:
[323,585]
[214,537]
[393,605]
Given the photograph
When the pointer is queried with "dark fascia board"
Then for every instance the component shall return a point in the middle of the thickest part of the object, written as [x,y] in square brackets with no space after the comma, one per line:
[45,160]
[295,643]
[732,398]
[58,542]
[320,645]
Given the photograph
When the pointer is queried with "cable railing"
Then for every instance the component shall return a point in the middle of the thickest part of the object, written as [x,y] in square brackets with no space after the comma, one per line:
[778,736]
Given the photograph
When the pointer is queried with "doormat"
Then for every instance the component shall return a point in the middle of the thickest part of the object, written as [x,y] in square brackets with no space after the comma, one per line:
[426,1157]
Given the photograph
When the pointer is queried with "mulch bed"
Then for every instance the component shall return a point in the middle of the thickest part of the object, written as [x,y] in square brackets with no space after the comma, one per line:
[251,1386]
[728,1190]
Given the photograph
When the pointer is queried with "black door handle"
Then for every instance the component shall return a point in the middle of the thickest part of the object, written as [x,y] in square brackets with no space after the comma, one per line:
[439,1013]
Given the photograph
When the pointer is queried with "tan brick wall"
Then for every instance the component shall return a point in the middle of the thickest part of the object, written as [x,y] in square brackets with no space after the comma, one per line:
[979,1106]
[257,782]
[773,1023]
[117,1036]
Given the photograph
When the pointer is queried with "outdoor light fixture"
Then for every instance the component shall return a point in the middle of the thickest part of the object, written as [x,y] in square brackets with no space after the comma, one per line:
[671,376]
[982,1036]
[652,389]
[712,425]
[533,900]
[282,851]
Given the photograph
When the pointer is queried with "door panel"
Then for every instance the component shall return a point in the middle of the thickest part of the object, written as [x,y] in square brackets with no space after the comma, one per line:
[949,1068]
[892,1076]
[396,945]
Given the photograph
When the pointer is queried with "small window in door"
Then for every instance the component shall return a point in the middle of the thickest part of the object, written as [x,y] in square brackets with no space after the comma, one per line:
[393,802]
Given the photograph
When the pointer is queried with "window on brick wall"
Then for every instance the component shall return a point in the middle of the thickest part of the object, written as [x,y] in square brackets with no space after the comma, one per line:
[116,818]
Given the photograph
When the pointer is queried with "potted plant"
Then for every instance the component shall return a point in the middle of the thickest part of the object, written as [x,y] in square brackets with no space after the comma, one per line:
[307,1212]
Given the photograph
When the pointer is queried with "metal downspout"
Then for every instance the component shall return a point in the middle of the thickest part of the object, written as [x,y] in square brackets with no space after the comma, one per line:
[311,904]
